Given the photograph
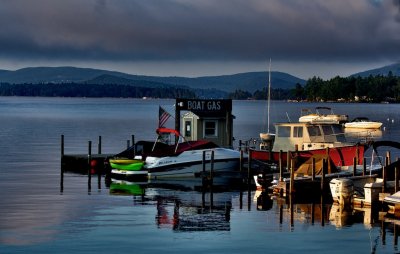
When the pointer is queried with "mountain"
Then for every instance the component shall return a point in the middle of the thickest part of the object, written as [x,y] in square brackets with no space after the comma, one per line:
[250,81]
[223,84]
[384,71]
[53,75]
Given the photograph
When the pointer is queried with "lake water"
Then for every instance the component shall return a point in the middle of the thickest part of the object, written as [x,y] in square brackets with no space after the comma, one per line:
[37,217]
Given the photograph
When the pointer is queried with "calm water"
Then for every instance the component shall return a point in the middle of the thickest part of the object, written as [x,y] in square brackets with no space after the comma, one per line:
[36,217]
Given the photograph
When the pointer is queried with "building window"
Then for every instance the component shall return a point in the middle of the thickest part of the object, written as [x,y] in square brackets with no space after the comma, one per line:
[210,128]
[188,128]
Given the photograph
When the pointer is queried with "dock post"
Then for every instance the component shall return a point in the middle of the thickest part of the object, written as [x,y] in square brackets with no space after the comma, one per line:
[396,176]
[241,161]
[354,166]
[62,145]
[89,168]
[324,163]
[384,174]
[288,155]
[365,167]
[204,167]
[291,187]
[62,168]
[99,171]
[248,169]
[212,167]
[134,144]
[280,166]
[128,144]
[99,146]
[313,169]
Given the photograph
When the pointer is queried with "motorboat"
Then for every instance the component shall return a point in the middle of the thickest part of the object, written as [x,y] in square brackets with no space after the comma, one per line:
[392,201]
[322,115]
[189,158]
[363,123]
[305,139]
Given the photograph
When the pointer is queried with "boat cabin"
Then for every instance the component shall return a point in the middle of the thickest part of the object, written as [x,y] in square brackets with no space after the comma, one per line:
[207,119]
[307,136]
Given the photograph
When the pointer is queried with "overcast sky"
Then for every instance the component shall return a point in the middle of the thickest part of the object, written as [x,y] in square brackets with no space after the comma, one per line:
[192,38]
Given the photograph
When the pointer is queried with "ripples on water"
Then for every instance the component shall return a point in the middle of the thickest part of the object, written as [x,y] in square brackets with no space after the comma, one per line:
[35,216]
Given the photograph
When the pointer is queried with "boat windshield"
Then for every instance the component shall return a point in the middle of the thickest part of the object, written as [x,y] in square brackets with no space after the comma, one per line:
[338,132]
[326,133]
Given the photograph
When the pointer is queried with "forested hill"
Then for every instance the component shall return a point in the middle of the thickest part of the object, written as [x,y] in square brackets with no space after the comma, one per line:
[382,84]
[250,81]
[383,71]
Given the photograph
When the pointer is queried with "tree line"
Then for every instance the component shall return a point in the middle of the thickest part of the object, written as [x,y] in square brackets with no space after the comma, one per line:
[362,89]
[92,90]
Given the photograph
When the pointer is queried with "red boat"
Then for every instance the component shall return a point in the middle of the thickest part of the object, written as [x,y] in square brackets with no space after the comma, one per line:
[303,140]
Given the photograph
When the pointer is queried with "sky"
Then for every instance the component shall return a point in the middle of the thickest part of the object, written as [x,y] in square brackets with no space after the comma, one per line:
[192,38]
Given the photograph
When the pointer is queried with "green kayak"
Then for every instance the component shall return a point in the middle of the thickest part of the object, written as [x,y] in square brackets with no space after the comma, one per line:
[128,164]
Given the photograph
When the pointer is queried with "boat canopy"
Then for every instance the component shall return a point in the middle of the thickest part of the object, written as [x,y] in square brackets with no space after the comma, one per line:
[161,131]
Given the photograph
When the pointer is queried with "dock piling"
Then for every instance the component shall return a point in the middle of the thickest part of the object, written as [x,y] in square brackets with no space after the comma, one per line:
[62,168]
[212,167]
[313,169]
[291,187]
[99,146]
[396,177]
[280,166]
[324,164]
[89,167]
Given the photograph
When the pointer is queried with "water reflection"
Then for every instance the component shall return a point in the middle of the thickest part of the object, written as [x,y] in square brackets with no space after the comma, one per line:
[182,205]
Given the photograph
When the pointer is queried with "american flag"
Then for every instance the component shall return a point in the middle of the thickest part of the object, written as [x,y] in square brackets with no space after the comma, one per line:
[162,117]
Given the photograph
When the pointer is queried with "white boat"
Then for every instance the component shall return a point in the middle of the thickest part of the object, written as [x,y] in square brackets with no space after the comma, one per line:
[185,159]
[363,123]
[392,201]
[356,190]
[319,117]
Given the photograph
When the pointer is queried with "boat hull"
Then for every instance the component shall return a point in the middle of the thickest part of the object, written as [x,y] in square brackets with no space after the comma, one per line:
[189,164]
[130,167]
[341,156]
[129,175]
[363,125]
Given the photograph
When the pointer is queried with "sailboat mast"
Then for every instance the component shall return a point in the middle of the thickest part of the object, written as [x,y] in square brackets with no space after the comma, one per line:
[269,93]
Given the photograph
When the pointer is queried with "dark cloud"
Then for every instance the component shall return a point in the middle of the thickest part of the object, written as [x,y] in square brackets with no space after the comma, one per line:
[242,30]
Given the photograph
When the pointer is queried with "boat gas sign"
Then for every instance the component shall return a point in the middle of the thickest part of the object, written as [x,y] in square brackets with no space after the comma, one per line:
[204,105]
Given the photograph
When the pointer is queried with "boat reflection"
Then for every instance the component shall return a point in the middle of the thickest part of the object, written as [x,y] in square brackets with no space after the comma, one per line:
[187,205]
[264,200]
[342,216]
[363,134]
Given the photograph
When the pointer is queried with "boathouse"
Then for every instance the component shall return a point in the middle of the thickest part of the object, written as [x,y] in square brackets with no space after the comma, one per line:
[205,119]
